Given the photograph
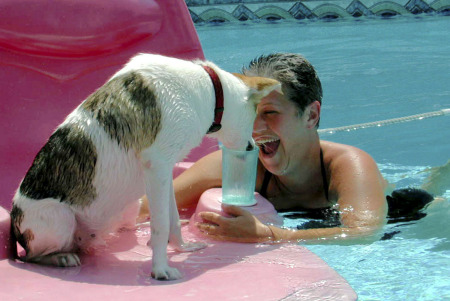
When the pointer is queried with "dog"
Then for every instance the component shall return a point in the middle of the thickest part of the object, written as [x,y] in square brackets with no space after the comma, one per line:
[121,143]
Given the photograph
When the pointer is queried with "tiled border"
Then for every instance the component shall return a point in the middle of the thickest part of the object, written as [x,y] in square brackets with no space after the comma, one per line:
[242,10]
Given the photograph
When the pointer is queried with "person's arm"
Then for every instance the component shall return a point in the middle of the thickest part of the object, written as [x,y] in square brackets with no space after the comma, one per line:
[245,227]
[204,174]
[359,187]
[356,183]
[188,186]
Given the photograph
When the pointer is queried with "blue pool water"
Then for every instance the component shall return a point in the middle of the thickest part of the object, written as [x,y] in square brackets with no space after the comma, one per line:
[373,70]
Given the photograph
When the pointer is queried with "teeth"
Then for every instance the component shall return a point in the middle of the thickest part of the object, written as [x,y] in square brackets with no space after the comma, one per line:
[263,141]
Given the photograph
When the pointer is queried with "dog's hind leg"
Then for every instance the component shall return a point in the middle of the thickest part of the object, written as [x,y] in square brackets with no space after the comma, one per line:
[175,237]
[158,183]
[45,229]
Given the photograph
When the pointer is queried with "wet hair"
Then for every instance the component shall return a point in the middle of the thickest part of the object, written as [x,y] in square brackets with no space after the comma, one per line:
[407,204]
[299,81]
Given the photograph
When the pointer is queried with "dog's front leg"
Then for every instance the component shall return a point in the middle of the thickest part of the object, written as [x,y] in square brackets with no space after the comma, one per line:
[175,237]
[158,189]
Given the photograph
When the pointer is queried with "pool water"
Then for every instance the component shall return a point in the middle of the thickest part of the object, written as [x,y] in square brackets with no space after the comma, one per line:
[373,69]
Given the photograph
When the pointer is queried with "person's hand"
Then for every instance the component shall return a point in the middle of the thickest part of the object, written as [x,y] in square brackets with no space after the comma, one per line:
[241,227]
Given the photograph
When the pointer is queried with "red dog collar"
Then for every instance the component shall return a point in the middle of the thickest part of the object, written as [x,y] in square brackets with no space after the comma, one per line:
[218,111]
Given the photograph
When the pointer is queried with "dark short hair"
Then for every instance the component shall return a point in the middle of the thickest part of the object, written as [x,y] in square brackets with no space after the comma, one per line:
[299,80]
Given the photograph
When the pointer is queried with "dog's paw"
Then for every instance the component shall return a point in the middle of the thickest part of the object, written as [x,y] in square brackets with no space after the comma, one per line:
[58,259]
[67,260]
[190,246]
[166,273]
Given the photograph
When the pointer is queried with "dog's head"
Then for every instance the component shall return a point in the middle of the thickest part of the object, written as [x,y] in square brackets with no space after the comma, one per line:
[242,95]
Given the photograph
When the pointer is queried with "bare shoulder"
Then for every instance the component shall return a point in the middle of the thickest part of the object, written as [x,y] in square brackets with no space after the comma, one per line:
[355,180]
[342,157]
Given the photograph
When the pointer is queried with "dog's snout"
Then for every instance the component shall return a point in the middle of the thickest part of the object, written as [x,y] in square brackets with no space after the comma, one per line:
[250,145]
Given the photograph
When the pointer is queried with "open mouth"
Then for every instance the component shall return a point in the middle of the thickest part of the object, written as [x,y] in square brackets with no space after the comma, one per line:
[268,146]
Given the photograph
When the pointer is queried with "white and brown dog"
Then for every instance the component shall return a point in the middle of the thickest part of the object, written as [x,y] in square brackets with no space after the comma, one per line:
[123,142]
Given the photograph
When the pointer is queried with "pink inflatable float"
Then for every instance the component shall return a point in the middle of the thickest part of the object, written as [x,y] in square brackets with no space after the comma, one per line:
[52,55]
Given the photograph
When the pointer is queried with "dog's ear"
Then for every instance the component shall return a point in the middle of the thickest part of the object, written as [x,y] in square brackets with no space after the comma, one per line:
[259,86]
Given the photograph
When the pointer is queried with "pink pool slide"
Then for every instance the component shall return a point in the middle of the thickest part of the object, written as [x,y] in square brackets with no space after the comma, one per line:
[53,54]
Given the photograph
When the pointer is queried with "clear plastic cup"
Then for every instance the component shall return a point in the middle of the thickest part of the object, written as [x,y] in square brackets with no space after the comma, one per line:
[239,176]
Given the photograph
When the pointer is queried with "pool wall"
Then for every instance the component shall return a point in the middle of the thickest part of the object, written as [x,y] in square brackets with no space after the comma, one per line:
[243,10]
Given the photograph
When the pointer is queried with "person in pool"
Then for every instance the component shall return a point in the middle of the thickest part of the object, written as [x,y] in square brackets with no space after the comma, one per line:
[338,185]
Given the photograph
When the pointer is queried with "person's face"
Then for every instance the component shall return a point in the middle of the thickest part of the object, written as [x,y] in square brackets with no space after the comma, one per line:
[278,131]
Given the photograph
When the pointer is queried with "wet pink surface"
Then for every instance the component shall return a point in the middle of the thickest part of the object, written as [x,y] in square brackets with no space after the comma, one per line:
[222,271]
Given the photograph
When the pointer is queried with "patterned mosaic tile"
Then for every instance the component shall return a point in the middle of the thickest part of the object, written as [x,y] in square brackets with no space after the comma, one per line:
[243,10]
